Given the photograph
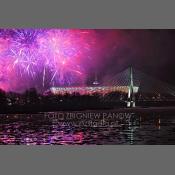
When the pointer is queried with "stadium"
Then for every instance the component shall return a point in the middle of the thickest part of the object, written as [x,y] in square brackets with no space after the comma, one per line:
[88,90]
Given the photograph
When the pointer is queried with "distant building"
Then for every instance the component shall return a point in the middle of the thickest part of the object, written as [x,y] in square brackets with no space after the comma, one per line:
[96,83]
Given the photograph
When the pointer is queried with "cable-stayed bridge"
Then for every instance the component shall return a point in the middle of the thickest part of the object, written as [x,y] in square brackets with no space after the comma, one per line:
[145,83]
[137,81]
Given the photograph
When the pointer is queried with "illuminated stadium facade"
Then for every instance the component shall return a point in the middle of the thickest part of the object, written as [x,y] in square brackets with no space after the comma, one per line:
[89,90]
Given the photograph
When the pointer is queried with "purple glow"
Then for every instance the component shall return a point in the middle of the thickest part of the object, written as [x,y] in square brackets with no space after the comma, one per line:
[42,58]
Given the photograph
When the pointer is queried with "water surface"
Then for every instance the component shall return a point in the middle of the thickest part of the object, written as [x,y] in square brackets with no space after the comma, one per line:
[39,130]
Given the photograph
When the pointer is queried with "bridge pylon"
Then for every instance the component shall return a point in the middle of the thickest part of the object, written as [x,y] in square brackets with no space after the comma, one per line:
[131,96]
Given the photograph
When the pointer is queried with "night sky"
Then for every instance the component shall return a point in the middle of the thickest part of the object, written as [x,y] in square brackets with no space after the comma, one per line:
[42,58]
[151,51]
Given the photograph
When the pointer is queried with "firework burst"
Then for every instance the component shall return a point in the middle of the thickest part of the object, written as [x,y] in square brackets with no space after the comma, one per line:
[50,57]
[63,52]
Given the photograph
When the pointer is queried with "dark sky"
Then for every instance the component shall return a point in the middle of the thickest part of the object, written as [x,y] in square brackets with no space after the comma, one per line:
[151,51]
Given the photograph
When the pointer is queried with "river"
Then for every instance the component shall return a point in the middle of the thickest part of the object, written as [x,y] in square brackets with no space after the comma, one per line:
[87,128]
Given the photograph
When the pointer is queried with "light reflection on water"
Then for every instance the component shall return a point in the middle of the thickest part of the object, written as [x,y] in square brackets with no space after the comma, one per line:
[33,130]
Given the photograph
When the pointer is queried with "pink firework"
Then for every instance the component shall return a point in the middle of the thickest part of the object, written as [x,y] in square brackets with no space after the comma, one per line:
[43,58]
[63,53]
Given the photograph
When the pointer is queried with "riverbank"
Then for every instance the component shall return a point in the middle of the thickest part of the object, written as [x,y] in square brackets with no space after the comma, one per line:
[136,110]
